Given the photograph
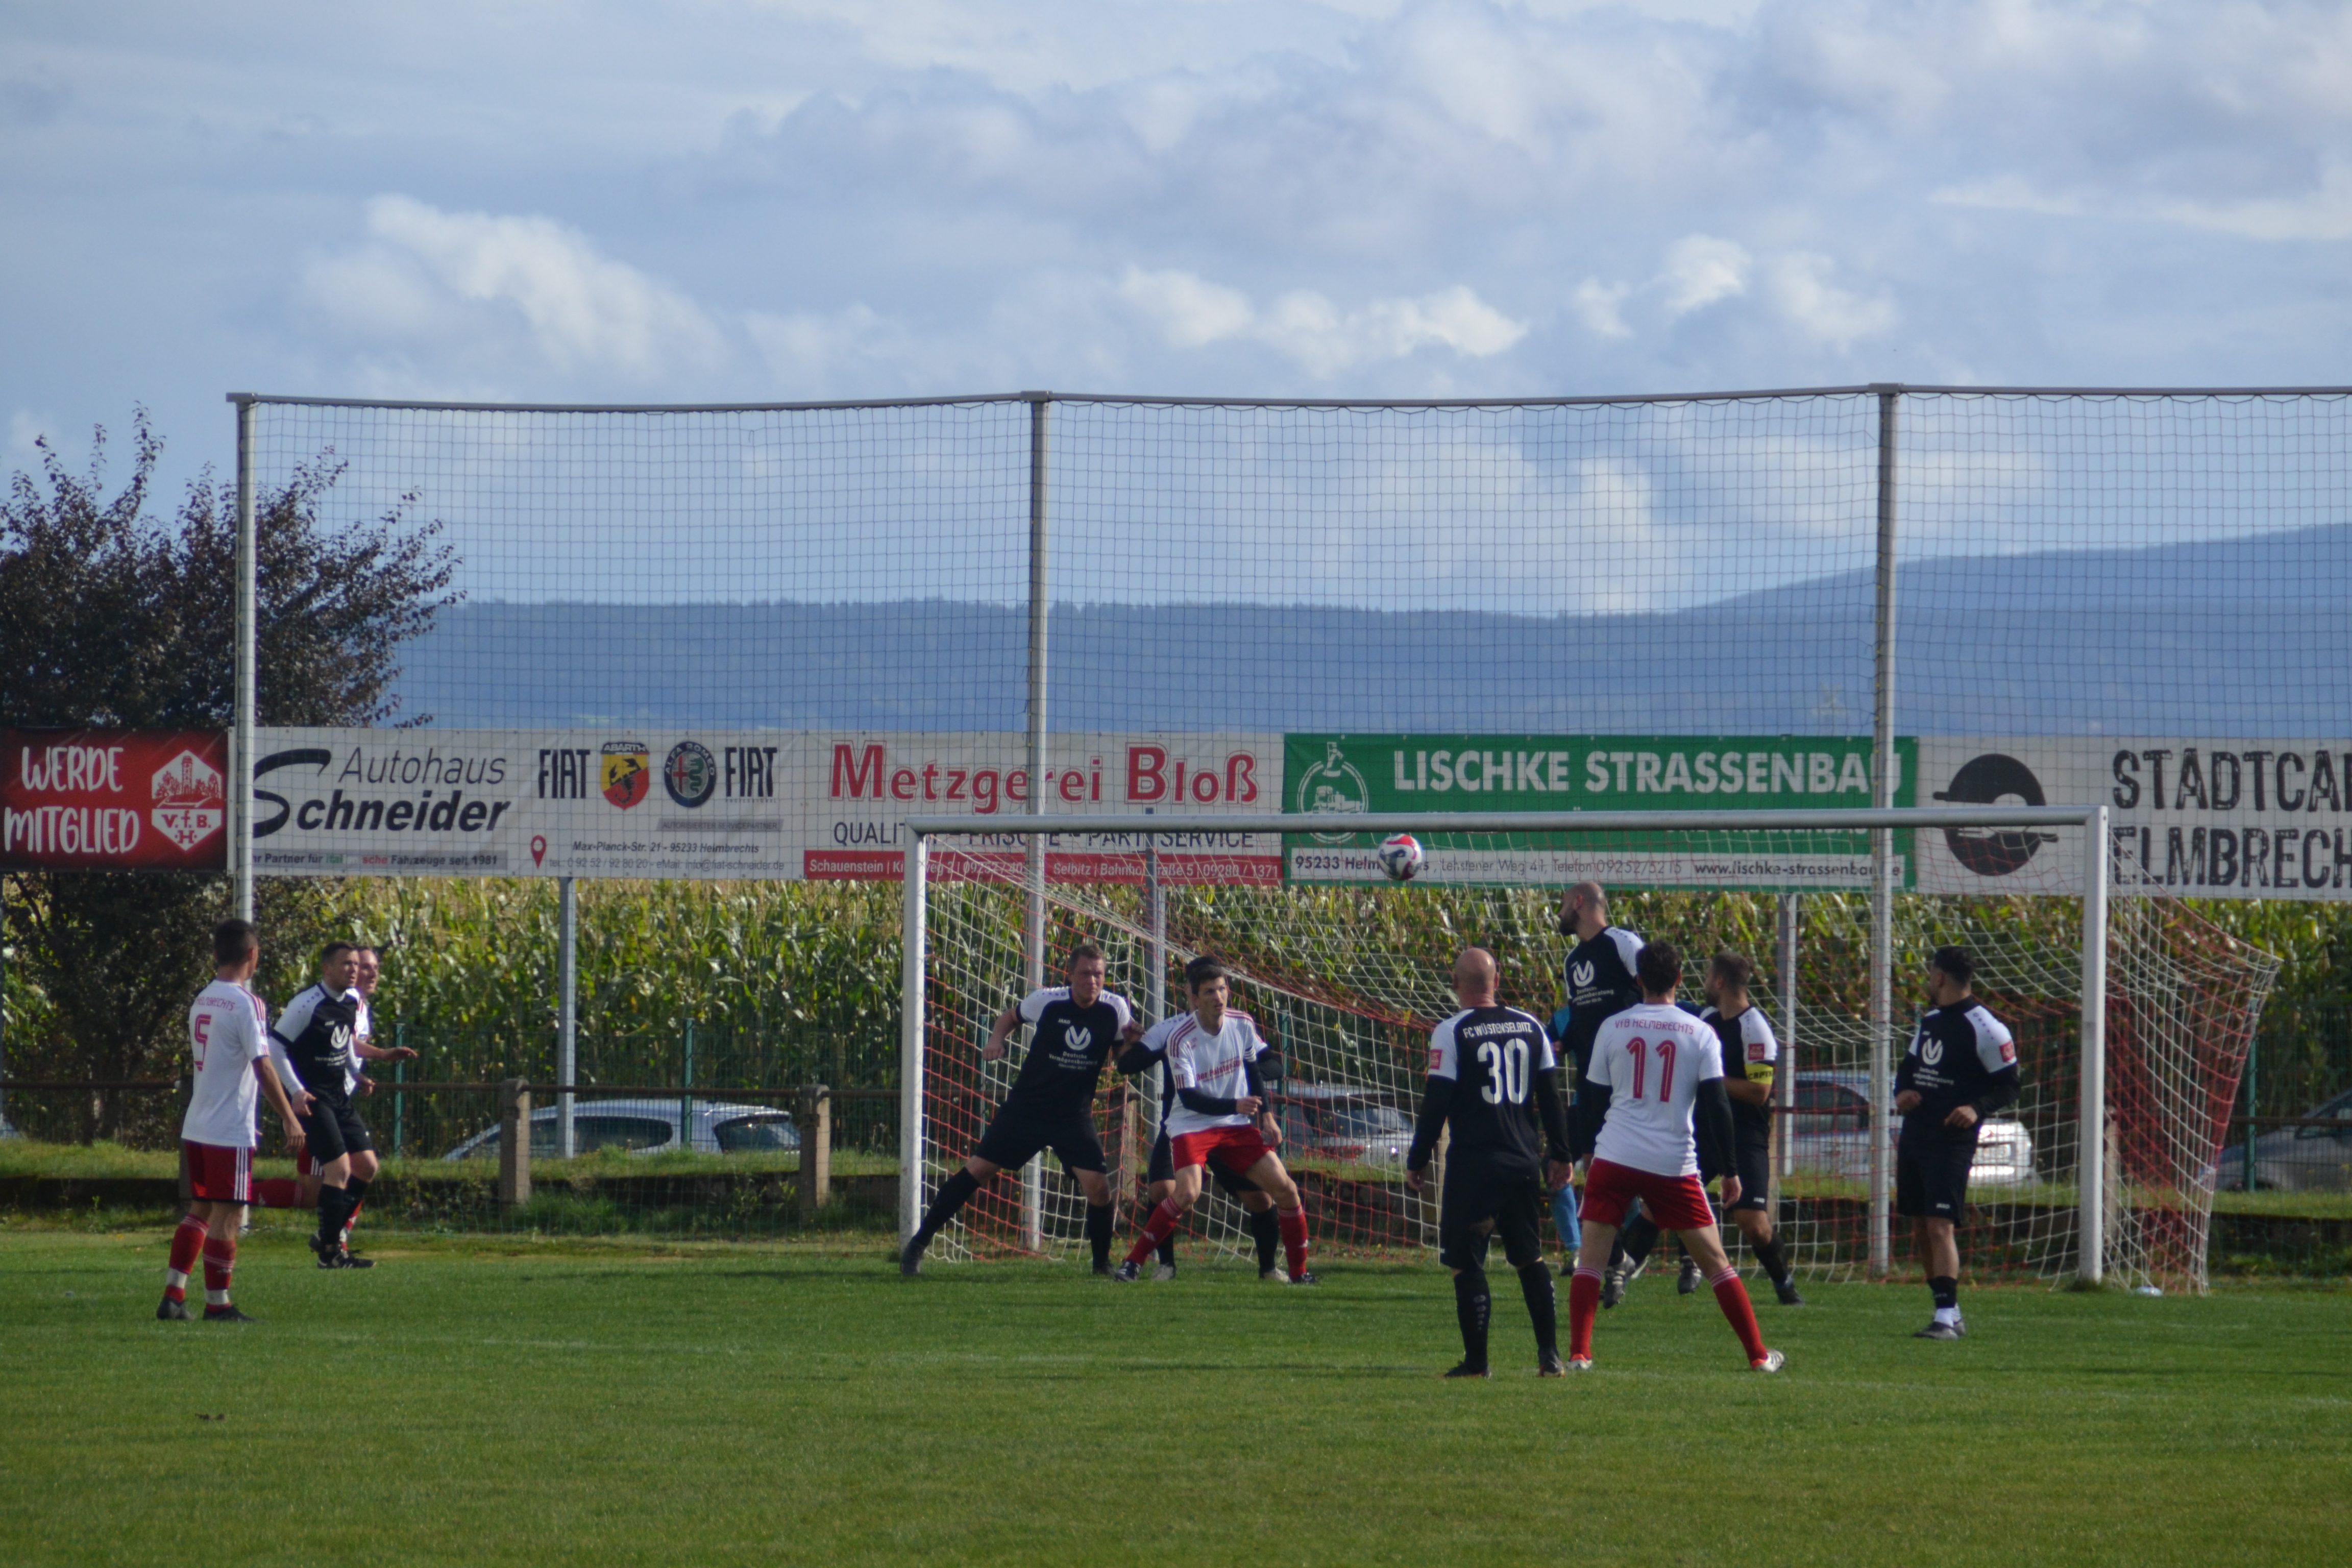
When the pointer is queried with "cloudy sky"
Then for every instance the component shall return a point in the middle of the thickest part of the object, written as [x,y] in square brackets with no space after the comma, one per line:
[683,200]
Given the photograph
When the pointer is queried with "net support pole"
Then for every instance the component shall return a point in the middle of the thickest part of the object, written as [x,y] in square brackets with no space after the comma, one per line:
[1039,409]
[1882,846]
[1785,1080]
[240,750]
[2092,1094]
[916,894]
[567,1010]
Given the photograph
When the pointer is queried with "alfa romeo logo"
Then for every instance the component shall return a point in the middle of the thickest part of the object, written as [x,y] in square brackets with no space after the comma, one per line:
[689,772]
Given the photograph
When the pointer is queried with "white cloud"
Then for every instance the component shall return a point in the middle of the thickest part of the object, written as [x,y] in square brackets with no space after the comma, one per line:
[25,427]
[1702,269]
[2321,213]
[1802,292]
[1600,307]
[424,277]
[1189,311]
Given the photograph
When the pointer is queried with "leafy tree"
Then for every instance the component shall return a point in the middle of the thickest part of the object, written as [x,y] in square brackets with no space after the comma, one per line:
[111,619]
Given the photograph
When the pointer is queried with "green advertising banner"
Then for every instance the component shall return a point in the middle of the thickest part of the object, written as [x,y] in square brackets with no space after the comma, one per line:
[1343,774]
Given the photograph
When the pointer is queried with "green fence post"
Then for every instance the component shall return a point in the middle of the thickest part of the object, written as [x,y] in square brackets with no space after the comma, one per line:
[686,1102]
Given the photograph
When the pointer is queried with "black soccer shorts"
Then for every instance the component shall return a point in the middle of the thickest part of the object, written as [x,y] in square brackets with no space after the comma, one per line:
[334,1131]
[1752,1163]
[1020,1131]
[1476,1205]
[1164,1169]
[1931,1174]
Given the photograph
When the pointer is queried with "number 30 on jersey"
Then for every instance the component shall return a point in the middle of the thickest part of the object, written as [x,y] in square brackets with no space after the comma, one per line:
[1506,1071]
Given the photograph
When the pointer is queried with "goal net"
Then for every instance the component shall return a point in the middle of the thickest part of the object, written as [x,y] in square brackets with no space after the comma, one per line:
[1346,973]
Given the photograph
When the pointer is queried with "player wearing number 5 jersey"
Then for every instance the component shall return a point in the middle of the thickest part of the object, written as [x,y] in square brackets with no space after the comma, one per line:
[1492,1077]
[1655,1089]
[228,1041]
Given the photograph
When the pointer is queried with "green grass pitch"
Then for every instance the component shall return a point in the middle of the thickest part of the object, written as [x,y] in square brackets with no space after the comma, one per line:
[511,1402]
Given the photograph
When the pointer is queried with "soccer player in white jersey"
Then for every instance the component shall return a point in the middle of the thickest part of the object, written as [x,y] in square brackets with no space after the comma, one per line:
[1656,1074]
[1221,1113]
[228,1038]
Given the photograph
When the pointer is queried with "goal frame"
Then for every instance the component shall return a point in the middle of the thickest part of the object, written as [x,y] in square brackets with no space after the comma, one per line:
[1880,822]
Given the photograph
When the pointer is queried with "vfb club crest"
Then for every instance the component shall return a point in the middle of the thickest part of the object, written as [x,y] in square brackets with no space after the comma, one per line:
[190,804]
[628,772]
[689,772]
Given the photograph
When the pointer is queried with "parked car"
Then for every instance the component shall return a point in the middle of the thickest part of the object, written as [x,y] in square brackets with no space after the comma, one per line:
[1831,1121]
[648,1127]
[1330,1122]
[2297,1158]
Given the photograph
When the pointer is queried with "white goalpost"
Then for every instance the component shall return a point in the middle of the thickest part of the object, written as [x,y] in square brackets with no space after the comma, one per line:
[2132,1013]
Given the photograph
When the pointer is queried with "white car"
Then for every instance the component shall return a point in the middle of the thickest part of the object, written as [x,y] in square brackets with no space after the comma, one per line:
[2309,1159]
[648,1127]
[1831,1129]
[1331,1122]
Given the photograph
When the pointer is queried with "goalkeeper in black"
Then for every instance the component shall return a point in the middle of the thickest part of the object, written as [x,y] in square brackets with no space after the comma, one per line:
[1961,1068]
[1492,1077]
[1051,1105]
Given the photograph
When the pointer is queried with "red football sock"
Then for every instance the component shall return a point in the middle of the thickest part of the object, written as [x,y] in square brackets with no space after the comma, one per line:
[186,1242]
[220,1258]
[1732,1297]
[277,1193]
[1157,1228]
[1294,1239]
[1584,1304]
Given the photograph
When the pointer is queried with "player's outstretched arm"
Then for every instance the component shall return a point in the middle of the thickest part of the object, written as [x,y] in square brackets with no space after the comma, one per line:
[1006,1022]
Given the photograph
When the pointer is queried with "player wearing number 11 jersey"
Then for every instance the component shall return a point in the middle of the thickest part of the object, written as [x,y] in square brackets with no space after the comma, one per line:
[1654,1089]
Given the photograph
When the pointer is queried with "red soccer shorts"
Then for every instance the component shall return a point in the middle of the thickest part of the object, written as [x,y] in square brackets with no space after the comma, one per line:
[1673,1203]
[1235,1148]
[306,1167]
[218,1175]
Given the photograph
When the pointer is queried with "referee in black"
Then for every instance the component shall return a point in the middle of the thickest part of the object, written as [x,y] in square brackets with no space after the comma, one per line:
[1961,1068]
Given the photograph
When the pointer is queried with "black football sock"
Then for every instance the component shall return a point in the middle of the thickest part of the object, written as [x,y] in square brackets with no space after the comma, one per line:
[1168,1250]
[1099,1218]
[1267,1231]
[1947,1292]
[1471,1306]
[1543,1307]
[333,1207]
[358,1191]
[1768,1252]
[954,1192]
[1640,1235]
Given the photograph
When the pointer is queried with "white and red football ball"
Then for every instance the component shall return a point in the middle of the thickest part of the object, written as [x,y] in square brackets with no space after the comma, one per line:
[1400,857]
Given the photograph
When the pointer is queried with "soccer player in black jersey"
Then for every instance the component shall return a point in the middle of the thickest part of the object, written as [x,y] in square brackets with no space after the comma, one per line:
[1257,1205]
[1598,982]
[1961,1068]
[1493,1077]
[1051,1104]
[311,1043]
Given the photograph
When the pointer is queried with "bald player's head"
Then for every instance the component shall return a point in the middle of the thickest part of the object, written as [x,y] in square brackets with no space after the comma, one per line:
[1473,977]
[1583,911]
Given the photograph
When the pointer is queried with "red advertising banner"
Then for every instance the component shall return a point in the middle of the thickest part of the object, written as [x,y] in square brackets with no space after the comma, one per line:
[113,800]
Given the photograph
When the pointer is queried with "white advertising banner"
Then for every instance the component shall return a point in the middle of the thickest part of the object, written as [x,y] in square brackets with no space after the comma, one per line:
[726,805]
[2200,818]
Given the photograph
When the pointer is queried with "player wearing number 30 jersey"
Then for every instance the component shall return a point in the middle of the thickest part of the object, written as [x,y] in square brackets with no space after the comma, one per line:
[1492,1076]
[1656,1074]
